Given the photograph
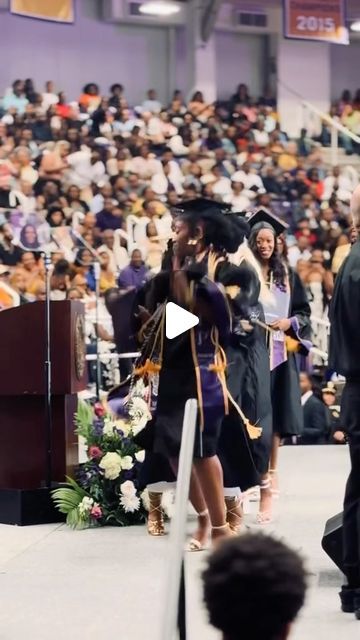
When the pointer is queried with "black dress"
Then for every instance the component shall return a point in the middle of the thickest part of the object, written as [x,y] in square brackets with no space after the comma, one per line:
[248,380]
[178,380]
[244,460]
[285,389]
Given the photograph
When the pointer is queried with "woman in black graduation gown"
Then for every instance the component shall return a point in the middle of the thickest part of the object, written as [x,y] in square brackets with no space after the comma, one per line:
[288,316]
[245,461]
[202,233]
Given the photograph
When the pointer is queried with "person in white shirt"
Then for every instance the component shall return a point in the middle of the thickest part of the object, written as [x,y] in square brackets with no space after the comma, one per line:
[221,186]
[145,165]
[238,199]
[26,197]
[251,181]
[97,203]
[339,183]
[152,103]
[49,97]
[299,251]
[86,167]
[126,123]
[169,178]
[176,175]
[261,137]
[119,257]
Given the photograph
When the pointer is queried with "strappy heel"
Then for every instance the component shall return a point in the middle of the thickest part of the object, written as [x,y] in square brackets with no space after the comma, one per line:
[228,533]
[233,518]
[155,526]
[265,517]
[194,544]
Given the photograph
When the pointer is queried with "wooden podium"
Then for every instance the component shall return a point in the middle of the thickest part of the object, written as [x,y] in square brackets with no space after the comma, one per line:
[24,498]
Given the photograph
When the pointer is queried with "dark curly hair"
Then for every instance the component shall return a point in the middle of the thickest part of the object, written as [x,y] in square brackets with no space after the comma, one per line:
[219,230]
[276,264]
[254,586]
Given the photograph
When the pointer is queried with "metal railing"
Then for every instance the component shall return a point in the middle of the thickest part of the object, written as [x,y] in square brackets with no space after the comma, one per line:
[335,126]
[132,355]
[175,564]
[316,350]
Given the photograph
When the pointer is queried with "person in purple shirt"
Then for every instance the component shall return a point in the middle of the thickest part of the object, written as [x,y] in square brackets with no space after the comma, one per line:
[110,217]
[136,274]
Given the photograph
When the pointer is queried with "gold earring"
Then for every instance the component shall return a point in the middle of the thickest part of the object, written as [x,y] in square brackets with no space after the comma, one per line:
[192,242]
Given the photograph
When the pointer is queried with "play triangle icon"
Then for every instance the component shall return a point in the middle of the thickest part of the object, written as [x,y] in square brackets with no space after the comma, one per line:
[178,320]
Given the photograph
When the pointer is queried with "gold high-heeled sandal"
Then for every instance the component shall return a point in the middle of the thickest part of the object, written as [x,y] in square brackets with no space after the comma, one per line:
[233,519]
[194,544]
[156,527]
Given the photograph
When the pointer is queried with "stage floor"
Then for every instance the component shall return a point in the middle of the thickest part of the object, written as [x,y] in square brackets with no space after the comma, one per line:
[59,584]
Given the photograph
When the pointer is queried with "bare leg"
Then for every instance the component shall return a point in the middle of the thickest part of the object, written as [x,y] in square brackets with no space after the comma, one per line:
[265,508]
[274,464]
[197,500]
[274,456]
[210,475]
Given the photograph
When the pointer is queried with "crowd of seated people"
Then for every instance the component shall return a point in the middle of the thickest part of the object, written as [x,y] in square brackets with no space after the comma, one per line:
[345,111]
[100,175]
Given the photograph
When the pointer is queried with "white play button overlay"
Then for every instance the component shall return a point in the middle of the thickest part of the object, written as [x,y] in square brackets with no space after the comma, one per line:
[178,320]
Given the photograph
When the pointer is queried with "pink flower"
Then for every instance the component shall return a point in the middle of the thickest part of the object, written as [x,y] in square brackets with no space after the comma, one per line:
[94,452]
[99,410]
[96,511]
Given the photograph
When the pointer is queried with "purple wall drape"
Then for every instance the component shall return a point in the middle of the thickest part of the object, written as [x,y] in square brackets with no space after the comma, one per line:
[89,50]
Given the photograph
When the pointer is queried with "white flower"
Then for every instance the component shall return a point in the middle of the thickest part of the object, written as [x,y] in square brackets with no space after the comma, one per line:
[85,506]
[127,463]
[109,427]
[168,503]
[124,426]
[130,503]
[111,464]
[139,413]
[128,488]
[139,388]
[140,456]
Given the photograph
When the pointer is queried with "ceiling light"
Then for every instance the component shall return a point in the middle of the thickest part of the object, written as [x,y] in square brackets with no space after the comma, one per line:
[355,26]
[159,8]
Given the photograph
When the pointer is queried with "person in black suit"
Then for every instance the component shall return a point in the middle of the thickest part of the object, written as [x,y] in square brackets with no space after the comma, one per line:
[345,360]
[316,422]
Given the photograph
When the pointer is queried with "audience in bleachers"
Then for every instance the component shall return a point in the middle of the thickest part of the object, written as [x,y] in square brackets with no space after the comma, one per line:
[98,177]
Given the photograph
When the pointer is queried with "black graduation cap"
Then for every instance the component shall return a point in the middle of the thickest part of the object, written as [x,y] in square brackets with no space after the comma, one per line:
[199,205]
[264,215]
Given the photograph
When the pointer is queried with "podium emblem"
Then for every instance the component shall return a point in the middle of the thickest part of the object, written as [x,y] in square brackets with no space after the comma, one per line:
[80,347]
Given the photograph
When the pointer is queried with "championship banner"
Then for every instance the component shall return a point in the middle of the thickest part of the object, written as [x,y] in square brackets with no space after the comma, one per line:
[322,20]
[55,10]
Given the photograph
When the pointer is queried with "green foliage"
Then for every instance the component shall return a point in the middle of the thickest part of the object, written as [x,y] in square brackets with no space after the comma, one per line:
[84,420]
[67,499]
[93,499]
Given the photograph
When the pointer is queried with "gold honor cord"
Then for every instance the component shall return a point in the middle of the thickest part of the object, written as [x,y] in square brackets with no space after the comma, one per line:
[292,345]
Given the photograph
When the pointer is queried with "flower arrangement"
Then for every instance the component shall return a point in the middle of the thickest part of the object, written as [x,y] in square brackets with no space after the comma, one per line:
[105,491]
